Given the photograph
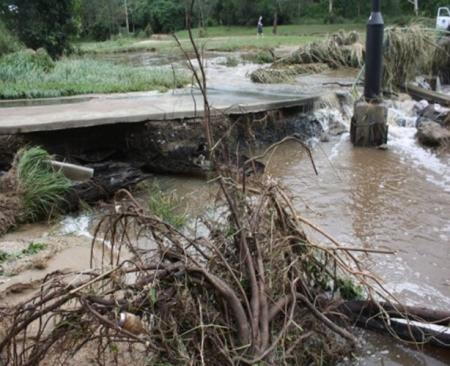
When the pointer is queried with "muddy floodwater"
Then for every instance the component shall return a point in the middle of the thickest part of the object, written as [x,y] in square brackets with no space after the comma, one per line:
[397,199]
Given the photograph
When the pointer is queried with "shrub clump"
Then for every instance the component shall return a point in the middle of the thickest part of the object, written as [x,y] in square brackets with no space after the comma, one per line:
[262,57]
[41,188]
[15,65]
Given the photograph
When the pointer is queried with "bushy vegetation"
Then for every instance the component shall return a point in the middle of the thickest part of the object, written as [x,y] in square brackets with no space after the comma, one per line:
[8,43]
[265,56]
[162,16]
[41,23]
[33,75]
[52,25]
[41,187]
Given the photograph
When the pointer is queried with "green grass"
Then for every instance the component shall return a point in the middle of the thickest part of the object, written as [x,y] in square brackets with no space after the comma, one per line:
[42,189]
[32,249]
[226,39]
[166,206]
[23,76]
[282,31]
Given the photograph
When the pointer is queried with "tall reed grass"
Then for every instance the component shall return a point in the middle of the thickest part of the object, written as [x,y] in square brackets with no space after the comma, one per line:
[41,188]
[27,74]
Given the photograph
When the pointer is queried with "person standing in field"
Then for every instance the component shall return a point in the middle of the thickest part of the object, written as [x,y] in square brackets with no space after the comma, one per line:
[260,27]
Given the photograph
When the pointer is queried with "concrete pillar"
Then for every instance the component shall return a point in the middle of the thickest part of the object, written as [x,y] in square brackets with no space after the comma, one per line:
[369,124]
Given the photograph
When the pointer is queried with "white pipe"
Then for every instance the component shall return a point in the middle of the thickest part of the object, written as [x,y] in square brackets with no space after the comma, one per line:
[73,172]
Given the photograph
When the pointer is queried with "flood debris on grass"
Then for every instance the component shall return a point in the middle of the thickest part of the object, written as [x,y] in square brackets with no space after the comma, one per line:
[286,74]
[441,64]
[408,53]
[339,50]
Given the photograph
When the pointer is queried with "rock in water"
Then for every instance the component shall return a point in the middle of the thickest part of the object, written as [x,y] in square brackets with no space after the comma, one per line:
[432,134]
[336,128]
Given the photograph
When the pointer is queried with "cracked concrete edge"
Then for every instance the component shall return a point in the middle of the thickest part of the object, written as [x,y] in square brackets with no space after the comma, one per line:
[74,123]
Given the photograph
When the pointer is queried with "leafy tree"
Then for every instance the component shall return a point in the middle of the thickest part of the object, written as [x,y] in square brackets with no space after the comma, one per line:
[164,16]
[41,23]
[101,19]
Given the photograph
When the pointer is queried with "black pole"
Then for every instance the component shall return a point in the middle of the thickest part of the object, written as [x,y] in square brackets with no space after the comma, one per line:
[374,53]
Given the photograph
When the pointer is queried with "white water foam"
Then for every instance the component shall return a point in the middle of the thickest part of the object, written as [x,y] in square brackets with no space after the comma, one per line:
[403,140]
[78,226]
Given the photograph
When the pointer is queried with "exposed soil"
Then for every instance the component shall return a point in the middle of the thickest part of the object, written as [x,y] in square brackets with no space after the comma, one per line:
[10,208]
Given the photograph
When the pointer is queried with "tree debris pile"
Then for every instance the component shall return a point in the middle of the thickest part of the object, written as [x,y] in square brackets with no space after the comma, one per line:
[339,50]
[408,53]
[285,74]
[246,286]
[441,64]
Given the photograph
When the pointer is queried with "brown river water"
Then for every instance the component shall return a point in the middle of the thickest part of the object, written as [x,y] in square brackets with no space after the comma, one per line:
[397,199]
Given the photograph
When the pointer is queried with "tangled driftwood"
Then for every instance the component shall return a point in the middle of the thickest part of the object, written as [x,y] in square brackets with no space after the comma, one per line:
[252,287]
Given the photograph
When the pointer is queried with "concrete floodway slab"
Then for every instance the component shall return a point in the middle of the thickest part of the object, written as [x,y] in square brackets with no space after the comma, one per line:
[134,108]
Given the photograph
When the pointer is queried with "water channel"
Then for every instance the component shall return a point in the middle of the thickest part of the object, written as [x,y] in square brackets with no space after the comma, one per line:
[397,198]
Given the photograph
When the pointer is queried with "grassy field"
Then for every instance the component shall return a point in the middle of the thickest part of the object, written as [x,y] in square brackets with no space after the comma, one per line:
[27,75]
[224,39]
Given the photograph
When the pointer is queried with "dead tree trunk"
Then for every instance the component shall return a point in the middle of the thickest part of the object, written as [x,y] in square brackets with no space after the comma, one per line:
[108,179]
[275,22]
[387,317]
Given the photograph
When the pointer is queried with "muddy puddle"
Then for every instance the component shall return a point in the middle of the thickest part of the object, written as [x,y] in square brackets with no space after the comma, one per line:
[396,199]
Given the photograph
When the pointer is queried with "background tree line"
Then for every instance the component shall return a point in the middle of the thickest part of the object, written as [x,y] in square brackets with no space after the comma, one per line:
[50,24]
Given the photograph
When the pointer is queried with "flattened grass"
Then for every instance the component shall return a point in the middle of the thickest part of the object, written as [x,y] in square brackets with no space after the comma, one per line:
[22,77]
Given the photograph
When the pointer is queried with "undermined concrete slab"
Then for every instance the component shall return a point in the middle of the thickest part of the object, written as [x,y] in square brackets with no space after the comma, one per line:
[139,107]
[175,146]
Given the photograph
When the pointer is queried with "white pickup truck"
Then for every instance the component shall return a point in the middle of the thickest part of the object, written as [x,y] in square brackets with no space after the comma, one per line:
[443,18]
